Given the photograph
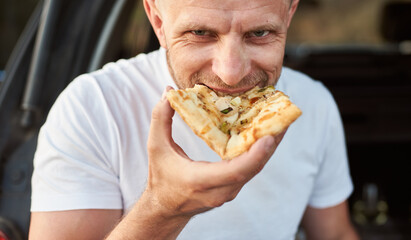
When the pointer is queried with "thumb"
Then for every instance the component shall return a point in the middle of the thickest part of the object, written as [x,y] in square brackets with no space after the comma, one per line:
[161,121]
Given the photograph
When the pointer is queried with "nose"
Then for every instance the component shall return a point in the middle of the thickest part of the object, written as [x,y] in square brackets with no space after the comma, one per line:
[231,62]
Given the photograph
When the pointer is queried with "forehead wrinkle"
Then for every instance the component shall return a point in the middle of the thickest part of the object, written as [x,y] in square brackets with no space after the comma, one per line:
[190,19]
[224,5]
[227,22]
[228,8]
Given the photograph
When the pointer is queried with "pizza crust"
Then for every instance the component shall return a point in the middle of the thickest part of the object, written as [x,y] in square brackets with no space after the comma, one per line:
[270,114]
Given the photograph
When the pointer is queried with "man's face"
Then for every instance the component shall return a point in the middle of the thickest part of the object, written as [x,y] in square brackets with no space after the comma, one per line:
[230,46]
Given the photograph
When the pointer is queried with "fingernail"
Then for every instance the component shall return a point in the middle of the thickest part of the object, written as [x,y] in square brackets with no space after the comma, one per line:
[164,96]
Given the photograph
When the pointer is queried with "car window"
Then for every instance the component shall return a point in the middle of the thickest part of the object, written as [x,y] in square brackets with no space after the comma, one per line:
[14,15]
[341,22]
[139,37]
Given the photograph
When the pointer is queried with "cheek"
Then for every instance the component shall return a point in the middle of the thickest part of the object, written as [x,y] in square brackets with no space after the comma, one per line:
[270,60]
[187,59]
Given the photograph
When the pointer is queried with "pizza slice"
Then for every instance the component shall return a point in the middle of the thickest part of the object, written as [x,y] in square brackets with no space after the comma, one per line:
[230,124]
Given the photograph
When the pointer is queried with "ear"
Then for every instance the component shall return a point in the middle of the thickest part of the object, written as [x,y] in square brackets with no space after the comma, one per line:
[291,11]
[156,20]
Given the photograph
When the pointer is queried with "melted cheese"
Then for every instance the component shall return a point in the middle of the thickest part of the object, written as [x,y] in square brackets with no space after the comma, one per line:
[231,113]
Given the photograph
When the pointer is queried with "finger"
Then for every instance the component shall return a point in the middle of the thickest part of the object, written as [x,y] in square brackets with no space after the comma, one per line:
[161,122]
[179,150]
[211,198]
[238,170]
[278,138]
[252,162]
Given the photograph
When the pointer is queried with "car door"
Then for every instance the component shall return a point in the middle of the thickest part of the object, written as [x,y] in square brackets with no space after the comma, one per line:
[62,39]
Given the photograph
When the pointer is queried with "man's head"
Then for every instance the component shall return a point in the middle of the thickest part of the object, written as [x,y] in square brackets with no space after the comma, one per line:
[229,45]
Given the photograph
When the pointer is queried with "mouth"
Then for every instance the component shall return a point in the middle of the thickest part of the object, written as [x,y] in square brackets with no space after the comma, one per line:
[230,91]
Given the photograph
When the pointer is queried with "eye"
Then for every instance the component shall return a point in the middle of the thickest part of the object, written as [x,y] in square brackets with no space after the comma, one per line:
[259,33]
[200,32]
[200,36]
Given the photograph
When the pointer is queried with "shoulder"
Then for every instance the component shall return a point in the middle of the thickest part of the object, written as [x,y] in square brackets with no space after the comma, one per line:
[106,98]
[123,81]
[142,72]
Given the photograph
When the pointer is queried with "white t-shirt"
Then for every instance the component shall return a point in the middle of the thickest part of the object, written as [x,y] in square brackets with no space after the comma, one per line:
[92,153]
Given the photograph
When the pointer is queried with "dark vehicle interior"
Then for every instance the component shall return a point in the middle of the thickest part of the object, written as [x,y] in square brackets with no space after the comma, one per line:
[371,82]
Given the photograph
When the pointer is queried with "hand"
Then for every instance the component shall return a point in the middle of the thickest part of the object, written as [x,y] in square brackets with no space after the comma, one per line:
[180,186]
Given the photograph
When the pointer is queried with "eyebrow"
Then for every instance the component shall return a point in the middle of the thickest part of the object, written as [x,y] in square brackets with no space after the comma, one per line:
[195,26]
[267,26]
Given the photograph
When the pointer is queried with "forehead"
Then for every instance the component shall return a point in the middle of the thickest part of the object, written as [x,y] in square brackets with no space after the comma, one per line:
[225,5]
[228,4]
[216,12]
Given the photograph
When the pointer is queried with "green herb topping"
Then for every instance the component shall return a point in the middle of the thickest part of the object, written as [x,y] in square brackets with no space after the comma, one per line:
[227,110]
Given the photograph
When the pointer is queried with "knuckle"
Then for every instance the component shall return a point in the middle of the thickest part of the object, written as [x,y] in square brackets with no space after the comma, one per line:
[237,177]
[156,113]
[216,202]
[259,168]
[192,185]
[151,147]
[155,151]
[231,197]
[228,196]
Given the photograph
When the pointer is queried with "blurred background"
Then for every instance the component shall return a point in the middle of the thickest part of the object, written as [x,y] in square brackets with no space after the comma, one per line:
[14,15]
[360,50]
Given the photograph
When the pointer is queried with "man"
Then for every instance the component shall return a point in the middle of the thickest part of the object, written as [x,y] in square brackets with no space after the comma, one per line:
[109,161]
